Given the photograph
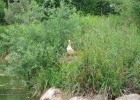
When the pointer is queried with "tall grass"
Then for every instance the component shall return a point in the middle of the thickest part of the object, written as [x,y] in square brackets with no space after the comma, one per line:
[107,52]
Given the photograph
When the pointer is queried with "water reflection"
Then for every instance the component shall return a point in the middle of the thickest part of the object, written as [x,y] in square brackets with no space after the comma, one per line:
[13,97]
[11,91]
[10,94]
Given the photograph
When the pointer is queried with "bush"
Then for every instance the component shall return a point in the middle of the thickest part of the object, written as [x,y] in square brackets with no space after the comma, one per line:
[39,46]
[136,10]
[107,51]
[94,7]
[106,54]
[129,9]
[23,12]
[4,39]
[2,6]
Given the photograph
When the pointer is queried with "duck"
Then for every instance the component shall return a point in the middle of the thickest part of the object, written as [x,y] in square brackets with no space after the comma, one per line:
[70,50]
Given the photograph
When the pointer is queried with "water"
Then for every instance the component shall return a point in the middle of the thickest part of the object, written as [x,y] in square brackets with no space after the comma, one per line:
[13,97]
[11,90]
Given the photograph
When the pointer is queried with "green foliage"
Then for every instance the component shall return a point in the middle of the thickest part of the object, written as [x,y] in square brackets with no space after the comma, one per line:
[33,13]
[136,10]
[2,6]
[14,9]
[94,7]
[130,9]
[106,54]
[4,41]
[39,45]
[23,12]
[107,51]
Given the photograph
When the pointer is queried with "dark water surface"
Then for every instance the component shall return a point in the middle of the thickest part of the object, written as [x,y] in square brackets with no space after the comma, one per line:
[13,97]
[11,89]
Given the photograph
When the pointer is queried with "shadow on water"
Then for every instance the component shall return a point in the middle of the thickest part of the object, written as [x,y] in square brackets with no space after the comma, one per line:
[11,90]
[14,97]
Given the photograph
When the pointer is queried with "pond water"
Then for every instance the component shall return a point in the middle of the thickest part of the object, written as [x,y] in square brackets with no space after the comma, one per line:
[10,90]
[13,97]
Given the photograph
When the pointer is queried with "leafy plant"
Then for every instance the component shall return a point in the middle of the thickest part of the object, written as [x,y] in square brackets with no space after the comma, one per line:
[23,12]
[2,6]
[107,51]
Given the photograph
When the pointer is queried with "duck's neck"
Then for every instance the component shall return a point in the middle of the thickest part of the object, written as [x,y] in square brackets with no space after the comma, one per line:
[69,44]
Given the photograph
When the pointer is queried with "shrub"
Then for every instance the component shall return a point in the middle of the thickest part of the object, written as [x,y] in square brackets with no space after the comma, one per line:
[23,12]
[136,11]
[2,6]
[129,9]
[107,51]
[4,39]
[39,46]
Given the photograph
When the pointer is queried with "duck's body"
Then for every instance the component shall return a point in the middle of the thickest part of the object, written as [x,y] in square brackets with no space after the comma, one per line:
[70,50]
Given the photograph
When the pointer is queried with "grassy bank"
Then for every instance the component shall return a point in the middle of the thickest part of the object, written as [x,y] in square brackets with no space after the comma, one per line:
[107,52]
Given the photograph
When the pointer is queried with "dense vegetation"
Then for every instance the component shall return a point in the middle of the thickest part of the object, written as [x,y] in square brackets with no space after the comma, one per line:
[34,39]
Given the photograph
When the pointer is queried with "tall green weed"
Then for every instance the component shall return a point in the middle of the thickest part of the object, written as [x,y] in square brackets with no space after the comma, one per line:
[107,52]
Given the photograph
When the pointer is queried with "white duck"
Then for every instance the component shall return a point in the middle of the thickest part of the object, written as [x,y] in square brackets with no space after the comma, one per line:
[70,51]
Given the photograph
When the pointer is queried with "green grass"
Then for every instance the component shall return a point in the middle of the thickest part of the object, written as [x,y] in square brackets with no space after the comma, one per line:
[107,50]
[106,55]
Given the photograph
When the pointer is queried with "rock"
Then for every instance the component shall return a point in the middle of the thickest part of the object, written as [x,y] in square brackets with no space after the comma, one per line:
[100,97]
[78,98]
[129,97]
[96,97]
[52,94]
[56,94]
